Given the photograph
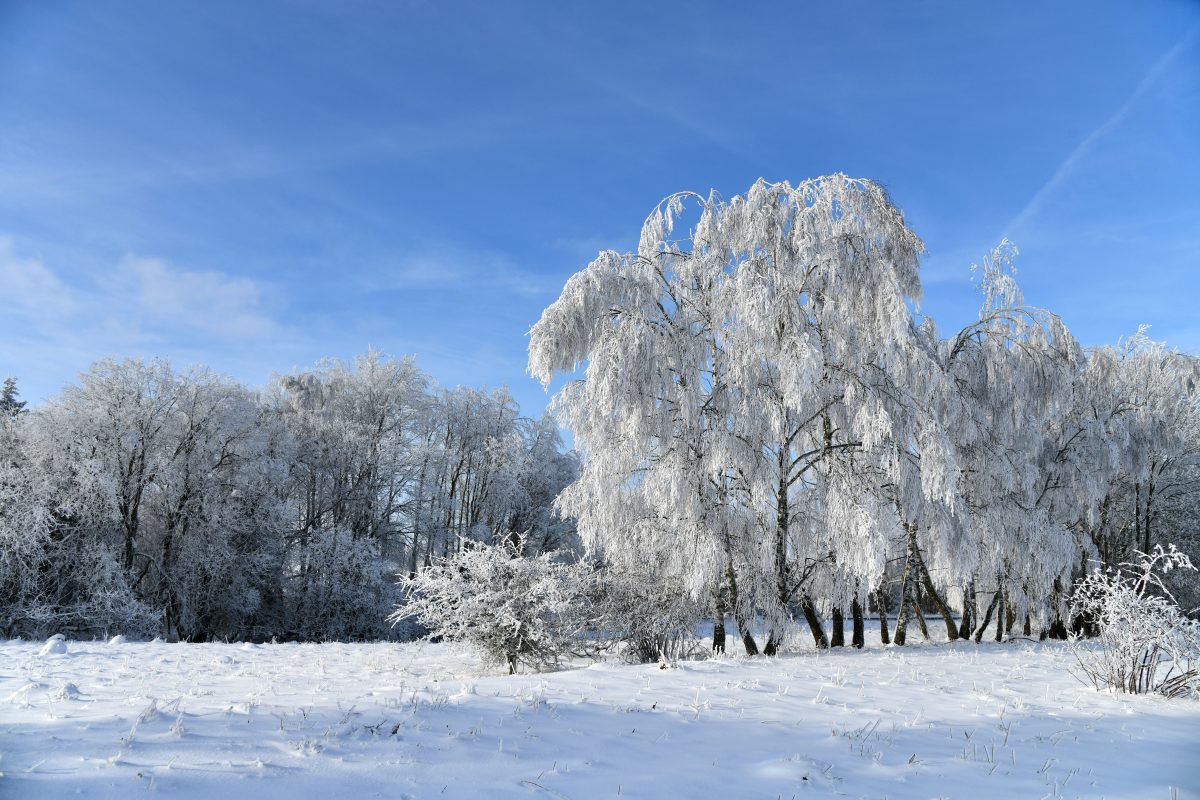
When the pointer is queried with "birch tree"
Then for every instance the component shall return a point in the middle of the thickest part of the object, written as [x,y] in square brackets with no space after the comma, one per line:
[726,368]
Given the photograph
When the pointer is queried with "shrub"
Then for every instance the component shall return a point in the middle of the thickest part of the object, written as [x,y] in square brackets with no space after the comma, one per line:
[517,611]
[1146,642]
[648,617]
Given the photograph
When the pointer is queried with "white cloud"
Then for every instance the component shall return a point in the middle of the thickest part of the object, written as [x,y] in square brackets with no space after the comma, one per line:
[211,303]
[30,289]
[55,321]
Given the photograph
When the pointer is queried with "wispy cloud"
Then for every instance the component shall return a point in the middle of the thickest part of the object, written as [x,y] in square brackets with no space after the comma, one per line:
[451,267]
[29,289]
[209,303]
[1071,162]
[55,320]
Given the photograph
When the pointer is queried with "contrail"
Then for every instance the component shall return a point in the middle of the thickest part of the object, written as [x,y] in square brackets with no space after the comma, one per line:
[1081,150]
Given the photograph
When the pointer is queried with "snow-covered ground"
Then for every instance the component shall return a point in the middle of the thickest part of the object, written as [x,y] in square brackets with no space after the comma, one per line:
[418,720]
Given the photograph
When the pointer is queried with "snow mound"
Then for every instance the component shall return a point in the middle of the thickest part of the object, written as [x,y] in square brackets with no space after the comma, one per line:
[68,691]
[118,639]
[56,645]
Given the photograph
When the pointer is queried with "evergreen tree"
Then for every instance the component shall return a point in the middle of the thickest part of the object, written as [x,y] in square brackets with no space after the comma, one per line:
[9,404]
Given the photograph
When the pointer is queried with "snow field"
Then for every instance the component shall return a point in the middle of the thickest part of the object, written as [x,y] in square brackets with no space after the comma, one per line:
[418,720]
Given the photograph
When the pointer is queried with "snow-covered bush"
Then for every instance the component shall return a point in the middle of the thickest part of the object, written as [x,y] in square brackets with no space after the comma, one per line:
[1146,643]
[517,611]
[647,616]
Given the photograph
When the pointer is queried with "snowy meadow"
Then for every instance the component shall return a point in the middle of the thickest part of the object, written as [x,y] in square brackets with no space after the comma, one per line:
[120,719]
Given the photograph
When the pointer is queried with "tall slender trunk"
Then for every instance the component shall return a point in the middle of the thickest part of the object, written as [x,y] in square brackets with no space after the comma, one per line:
[881,606]
[857,637]
[968,611]
[932,593]
[920,617]
[987,617]
[1000,615]
[814,623]
[905,581]
[719,610]
[412,556]
[748,642]
[1149,507]
[839,629]
[1137,513]
[782,592]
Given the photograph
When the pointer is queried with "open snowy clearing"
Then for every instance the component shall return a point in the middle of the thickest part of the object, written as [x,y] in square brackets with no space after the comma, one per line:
[420,720]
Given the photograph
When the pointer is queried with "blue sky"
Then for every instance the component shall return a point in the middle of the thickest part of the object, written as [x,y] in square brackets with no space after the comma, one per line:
[254,186]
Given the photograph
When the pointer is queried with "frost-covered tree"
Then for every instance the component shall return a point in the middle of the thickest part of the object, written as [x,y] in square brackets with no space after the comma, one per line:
[171,473]
[1012,379]
[486,473]
[148,500]
[1159,393]
[354,427]
[114,433]
[730,372]
[214,518]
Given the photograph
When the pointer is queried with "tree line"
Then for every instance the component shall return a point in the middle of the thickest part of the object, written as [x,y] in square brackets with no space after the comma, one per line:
[769,431]
[149,501]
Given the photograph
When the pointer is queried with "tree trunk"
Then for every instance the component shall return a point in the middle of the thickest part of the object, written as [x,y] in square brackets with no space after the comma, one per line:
[987,617]
[839,629]
[881,607]
[858,637]
[747,638]
[718,643]
[1000,615]
[905,581]
[968,611]
[814,623]
[932,593]
[782,592]
[739,618]
[920,617]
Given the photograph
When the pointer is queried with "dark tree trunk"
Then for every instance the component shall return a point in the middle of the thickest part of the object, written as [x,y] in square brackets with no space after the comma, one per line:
[905,582]
[839,630]
[1001,613]
[858,637]
[932,593]
[968,612]
[718,643]
[814,623]
[987,617]
[881,607]
[920,617]
[782,512]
